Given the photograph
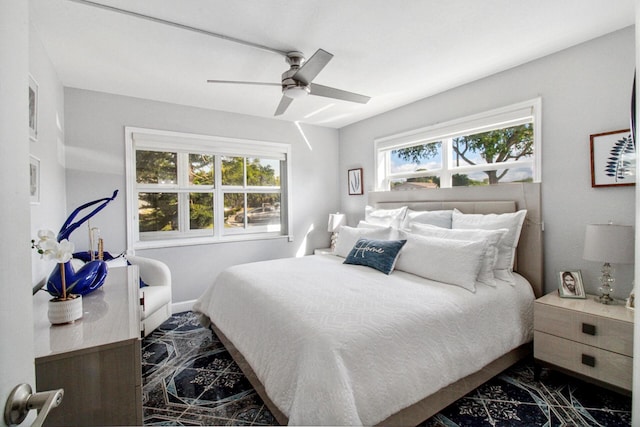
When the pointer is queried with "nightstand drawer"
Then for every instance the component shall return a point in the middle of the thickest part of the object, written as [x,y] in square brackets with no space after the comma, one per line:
[613,368]
[596,331]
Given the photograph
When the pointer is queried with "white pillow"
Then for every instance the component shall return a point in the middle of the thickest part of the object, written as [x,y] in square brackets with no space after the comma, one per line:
[365,224]
[456,262]
[387,217]
[392,236]
[507,246]
[492,237]
[348,236]
[437,218]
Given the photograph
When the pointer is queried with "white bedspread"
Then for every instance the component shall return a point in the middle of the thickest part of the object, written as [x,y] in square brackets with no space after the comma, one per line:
[338,344]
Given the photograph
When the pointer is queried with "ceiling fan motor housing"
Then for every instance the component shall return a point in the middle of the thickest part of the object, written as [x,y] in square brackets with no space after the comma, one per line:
[291,87]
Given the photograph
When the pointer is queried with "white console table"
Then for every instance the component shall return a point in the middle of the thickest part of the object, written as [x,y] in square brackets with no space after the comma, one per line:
[96,359]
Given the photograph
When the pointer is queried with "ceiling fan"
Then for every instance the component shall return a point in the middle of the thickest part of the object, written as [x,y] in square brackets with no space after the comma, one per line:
[297,81]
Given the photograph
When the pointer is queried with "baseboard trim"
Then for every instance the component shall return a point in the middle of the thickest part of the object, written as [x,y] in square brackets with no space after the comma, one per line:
[179,307]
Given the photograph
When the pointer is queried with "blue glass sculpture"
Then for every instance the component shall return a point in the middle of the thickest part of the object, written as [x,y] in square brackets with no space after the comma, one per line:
[87,279]
[91,276]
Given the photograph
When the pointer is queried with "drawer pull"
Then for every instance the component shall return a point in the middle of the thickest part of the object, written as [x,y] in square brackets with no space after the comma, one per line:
[588,329]
[588,360]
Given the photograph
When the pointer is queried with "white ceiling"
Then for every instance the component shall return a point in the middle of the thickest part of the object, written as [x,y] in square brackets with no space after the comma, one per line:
[396,52]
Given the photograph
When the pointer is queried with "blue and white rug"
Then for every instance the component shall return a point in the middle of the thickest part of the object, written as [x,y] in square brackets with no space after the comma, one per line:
[189,379]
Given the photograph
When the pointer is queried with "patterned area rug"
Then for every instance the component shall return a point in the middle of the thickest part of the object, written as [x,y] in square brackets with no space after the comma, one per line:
[189,379]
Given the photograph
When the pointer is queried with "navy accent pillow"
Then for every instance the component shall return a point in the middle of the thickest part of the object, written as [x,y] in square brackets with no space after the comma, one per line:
[378,254]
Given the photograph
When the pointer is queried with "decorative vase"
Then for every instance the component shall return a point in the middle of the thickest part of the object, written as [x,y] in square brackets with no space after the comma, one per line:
[65,311]
[87,279]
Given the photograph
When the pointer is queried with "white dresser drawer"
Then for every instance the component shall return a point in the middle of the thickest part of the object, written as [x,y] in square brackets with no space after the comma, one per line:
[609,367]
[598,331]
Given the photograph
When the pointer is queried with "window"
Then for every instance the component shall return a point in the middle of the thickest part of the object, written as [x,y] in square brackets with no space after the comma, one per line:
[188,189]
[495,147]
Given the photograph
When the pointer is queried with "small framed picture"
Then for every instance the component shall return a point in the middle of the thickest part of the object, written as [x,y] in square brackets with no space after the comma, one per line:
[33,109]
[612,159]
[355,182]
[571,284]
[631,301]
[34,180]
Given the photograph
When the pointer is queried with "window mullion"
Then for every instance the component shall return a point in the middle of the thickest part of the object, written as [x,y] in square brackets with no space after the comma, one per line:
[183,211]
[246,210]
[493,166]
[244,182]
[218,198]
[263,189]
[432,172]
[183,194]
[446,175]
[157,188]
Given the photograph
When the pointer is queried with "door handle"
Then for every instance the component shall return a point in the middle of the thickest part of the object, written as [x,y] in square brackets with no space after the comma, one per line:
[21,400]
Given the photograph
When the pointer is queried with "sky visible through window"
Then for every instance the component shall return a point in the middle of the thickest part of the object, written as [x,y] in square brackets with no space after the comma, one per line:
[434,162]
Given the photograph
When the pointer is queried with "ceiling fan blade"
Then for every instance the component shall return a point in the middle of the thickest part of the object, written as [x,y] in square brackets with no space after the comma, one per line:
[331,92]
[245,83]
[312,67]
[284,104]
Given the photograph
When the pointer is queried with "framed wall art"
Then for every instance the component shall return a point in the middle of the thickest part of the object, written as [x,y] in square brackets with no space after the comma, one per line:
[33,109]
[355,182]
[34,180]
[612,159]
[570,285]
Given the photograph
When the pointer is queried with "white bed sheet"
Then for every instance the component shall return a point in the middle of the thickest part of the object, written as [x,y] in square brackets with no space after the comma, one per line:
[338,344]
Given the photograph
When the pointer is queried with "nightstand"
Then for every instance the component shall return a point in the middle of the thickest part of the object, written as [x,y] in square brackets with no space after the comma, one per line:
[323,251]
[585,337]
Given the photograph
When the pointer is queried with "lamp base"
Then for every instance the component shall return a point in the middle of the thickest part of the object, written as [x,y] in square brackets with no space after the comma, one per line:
[606,299]
[334,238]
[607,281]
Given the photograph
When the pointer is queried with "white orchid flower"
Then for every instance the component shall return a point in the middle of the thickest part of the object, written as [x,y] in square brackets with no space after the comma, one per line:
[48,248]
[47,244]
[64,252]
[51,249]
[46,235]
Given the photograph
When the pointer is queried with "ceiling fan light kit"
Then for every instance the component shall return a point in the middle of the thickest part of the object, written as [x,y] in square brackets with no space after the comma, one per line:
[296,92]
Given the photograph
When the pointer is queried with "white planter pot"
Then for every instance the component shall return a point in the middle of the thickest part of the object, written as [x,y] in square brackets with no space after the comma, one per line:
[67,311]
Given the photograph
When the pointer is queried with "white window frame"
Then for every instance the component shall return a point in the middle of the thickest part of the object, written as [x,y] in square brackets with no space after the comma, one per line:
[529,111]
[183,143]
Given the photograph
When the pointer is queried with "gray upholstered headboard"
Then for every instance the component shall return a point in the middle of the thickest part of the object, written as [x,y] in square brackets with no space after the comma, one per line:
[501,198]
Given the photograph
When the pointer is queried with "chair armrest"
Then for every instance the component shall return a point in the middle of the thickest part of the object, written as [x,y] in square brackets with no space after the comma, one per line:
[152,271]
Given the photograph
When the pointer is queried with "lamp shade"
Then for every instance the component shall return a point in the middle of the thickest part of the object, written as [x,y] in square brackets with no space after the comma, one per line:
[336,221]
[609,243]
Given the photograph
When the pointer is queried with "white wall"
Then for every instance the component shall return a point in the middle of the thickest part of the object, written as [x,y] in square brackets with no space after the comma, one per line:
[96,166]
[50,213]
[585,90]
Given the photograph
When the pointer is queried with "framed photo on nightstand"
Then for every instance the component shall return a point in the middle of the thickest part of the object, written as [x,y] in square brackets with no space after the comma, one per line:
[571,284]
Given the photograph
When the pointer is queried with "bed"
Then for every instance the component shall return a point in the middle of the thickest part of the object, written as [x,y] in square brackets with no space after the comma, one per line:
[328,343]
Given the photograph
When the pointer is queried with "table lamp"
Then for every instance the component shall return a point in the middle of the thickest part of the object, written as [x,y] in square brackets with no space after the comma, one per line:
[336,221]
[608,243]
